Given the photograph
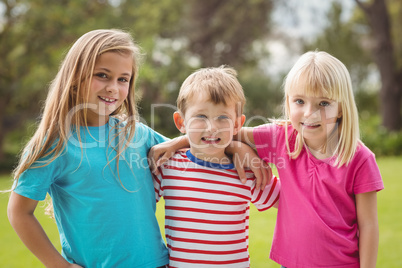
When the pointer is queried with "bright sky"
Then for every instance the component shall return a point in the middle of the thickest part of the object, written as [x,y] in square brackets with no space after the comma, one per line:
[299,19]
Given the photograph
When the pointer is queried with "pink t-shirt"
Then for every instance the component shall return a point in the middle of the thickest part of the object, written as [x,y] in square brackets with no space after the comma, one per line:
[316,223]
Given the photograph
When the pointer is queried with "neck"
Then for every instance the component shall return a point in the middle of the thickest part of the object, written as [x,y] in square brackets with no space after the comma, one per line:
[322,152]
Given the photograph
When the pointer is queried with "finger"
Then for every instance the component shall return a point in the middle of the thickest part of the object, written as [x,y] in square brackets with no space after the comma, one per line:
[155,171]
[240,169]
[270,174]
[163,159]
[258,177]
[151,159]
[152,165]
[267,174]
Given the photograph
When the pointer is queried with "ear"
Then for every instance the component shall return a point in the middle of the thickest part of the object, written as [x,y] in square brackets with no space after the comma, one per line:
[340,113]
[239,123]
[179,122]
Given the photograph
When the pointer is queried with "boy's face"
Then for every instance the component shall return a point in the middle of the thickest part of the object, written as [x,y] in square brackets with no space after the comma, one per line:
[210,127]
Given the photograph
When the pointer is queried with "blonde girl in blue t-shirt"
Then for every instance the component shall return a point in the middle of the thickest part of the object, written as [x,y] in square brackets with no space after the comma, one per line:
[89,154]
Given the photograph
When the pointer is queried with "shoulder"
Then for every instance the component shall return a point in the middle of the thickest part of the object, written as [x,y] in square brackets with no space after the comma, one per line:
[143,131]
[120,123]
[273,135]
[362,154]
[179,156]
[367,176]
[178,164]
[364,160]
[142,128]
[277,128]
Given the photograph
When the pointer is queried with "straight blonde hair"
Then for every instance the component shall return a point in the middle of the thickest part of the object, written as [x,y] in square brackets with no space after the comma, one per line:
[326,76]
[70,89]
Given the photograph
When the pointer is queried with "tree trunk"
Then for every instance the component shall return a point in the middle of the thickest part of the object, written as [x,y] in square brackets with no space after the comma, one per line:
[383,55]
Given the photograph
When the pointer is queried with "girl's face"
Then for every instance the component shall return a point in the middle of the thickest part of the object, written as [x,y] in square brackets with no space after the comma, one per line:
[314,117]
[109,86]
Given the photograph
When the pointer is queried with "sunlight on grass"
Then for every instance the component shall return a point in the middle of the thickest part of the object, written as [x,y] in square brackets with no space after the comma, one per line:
[13,253]
[389,216]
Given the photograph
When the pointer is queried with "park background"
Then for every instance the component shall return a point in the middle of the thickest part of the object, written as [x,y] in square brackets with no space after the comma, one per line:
[261,39]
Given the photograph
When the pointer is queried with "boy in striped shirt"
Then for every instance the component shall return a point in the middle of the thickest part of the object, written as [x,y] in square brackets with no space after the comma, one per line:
[206,205]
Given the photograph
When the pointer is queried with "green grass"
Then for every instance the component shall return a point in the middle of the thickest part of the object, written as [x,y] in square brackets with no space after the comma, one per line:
[13,253]
[389,213]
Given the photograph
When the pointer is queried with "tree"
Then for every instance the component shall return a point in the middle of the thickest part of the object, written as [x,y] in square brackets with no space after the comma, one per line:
[34,35]
[209,33]
[345,41]
[177,37]
[384,55]
[222,32]
[341,40]
[32,41]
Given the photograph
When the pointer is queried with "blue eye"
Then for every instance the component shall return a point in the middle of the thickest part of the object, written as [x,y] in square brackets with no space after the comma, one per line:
[124,79]
[223,117]
[299,101]
[325,103]
[201,116]
[101,75]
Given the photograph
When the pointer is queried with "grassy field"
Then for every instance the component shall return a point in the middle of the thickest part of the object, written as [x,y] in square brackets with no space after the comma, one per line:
[13,253]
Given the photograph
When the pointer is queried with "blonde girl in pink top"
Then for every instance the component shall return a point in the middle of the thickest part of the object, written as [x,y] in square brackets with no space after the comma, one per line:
[327,215]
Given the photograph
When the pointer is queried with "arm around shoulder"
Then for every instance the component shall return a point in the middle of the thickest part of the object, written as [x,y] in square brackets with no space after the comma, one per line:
[161,152]
[245,135]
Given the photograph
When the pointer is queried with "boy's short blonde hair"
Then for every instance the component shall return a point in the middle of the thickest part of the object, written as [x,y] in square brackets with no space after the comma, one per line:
[219,83]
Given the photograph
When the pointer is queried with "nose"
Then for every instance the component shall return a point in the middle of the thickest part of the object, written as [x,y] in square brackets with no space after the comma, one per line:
[112,87]
[311,112]
[211,126]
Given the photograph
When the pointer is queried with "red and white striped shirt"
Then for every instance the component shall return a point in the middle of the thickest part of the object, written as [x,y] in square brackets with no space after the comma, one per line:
[207,211]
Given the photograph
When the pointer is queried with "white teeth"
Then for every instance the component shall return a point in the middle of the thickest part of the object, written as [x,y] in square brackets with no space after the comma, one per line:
[107,99]
[211,139]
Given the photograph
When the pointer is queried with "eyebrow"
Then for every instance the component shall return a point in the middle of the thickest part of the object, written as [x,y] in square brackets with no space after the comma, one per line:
[304,96]
[108,71]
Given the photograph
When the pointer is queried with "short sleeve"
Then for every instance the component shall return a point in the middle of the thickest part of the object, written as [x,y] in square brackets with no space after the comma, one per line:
[368,176]
[265,199]
[146,137]
[34,183]
[266,138]
[154,137]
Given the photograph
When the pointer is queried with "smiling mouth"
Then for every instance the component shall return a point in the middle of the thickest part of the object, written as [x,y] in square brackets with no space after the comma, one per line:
[310,125]
[107,100]
[210,140]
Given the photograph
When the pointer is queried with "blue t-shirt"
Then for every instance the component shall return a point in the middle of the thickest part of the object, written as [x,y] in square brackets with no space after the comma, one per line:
[105,218]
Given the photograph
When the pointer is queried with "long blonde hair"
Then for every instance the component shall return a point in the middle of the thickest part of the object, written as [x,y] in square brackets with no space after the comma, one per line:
[70,89]
[326,76]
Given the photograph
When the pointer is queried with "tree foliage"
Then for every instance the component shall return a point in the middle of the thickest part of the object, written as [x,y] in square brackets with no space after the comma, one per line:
[370,37]
[386,53]
[35,34]
[177,38]
[224,31]
[344,41]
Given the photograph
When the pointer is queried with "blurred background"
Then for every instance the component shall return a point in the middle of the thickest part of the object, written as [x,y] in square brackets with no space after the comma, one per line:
[261,39]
